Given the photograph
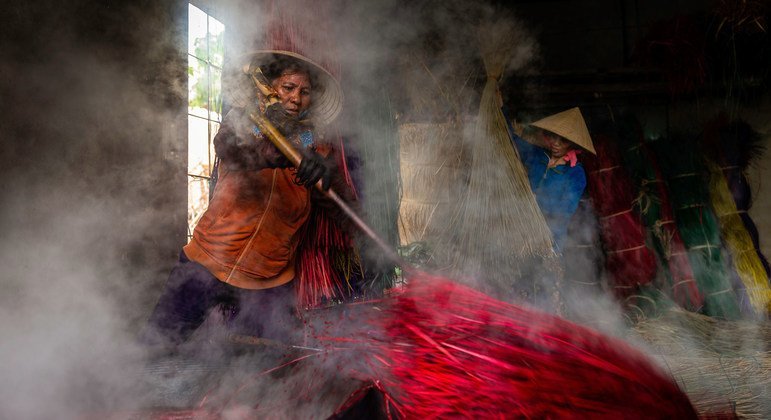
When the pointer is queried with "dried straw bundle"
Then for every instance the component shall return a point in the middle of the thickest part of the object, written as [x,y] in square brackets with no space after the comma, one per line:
[714,361]
[498,228]
[681,333]
[745,258]
[430,161]
[718,383]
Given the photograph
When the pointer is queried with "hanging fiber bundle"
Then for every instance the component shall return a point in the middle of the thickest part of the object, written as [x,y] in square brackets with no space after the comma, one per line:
[628,259]
[745,259]
[499,231]
[656,211]
[697,223]
[735,146]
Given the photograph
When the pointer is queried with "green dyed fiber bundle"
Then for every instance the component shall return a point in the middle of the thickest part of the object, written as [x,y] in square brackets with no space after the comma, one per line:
[681,163]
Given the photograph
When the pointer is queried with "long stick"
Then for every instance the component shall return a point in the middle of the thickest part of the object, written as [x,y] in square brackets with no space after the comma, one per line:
[286,148]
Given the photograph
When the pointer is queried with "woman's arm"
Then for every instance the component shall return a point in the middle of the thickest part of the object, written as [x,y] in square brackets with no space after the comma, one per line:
[339,185]
[242,148]
[525,148]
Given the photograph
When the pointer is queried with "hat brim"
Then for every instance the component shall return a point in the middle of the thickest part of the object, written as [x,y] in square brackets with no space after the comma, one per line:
[569,125]
[325,106]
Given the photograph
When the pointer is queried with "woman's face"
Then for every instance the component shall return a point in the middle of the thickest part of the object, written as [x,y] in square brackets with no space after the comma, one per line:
[294,91]
[558,146]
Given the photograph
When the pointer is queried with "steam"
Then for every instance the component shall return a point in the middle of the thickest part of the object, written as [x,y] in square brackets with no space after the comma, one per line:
[91,219]
[87,140]
[96,141]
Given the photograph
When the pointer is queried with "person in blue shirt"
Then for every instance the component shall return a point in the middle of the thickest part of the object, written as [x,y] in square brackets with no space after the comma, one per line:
[556,177]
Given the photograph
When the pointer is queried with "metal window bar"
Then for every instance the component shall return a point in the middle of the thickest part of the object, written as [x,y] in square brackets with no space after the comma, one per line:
[209,66]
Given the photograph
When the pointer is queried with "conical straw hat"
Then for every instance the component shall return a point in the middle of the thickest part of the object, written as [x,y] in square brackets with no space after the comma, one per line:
[326,102]
[569,124]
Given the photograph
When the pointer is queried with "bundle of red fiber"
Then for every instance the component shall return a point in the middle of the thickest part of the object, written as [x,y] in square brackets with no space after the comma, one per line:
[629,261]
[454,351]
[326,262]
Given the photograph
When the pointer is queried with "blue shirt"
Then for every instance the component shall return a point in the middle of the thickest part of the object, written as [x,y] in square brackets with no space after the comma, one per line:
[557,190]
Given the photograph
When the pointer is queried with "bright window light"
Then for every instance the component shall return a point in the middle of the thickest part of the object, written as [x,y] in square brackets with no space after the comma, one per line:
[206,50]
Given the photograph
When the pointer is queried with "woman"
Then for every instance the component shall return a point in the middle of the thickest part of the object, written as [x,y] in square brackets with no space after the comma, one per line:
[244,247]
[556,176]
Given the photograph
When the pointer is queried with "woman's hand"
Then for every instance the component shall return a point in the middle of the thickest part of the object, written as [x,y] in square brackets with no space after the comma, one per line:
[313,168]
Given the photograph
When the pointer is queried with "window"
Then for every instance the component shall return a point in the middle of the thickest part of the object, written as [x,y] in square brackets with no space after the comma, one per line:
[205,50]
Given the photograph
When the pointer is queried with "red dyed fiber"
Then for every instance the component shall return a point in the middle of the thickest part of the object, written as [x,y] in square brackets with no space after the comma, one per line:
[326,258]
[628,259]
[320,274]
[455,352]
[438,349]
[306,34]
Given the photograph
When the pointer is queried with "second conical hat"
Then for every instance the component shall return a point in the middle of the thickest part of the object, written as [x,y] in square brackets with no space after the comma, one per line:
[569,124]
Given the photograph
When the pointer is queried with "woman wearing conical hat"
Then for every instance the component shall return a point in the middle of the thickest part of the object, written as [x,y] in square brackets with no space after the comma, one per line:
[556,176]
[244,249]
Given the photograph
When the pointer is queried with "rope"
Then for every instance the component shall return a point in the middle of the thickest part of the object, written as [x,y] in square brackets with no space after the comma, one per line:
[645,182]
[619,251]
[691,206]
[707,246]
[686,175]
[615,214]
[681,282]
[610,168]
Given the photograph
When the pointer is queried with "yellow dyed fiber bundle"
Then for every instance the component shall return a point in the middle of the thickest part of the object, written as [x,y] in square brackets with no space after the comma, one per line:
[739,242]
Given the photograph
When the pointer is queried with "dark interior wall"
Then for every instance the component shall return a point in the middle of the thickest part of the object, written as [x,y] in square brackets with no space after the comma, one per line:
[596,35]
[93,150]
